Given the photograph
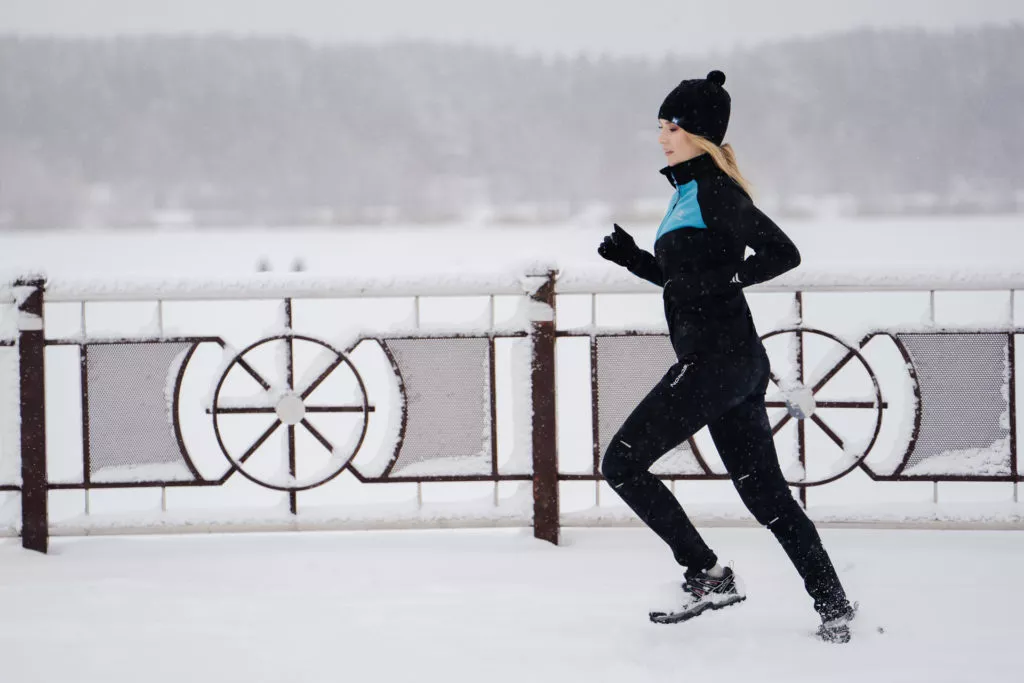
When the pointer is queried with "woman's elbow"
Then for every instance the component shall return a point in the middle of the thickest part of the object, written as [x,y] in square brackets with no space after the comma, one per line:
[793,258]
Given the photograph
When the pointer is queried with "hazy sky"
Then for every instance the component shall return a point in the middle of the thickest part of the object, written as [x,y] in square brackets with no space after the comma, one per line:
[648,27]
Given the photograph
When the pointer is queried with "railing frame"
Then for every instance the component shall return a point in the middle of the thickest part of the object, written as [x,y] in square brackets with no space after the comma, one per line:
[31,292]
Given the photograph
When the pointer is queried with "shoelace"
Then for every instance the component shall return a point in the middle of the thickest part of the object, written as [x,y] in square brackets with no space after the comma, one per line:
[699,586]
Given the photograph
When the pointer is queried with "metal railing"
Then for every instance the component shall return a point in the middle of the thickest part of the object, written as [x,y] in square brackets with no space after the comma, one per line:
[974,419]
[446,427]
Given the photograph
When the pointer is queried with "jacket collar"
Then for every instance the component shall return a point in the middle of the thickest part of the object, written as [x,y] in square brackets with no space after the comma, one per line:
[685,171]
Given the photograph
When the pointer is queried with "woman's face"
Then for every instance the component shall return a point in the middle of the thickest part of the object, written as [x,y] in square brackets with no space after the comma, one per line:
[676,143]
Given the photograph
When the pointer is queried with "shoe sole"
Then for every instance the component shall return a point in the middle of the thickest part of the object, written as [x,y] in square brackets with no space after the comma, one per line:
[686,615]
[834,636]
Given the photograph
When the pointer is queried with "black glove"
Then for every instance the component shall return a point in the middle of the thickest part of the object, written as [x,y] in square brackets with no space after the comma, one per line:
[619,247]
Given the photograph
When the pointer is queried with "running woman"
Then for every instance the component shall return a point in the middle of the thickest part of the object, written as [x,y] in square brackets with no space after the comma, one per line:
[722,369]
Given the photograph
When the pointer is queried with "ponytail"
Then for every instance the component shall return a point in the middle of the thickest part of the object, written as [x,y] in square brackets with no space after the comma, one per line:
[725,159]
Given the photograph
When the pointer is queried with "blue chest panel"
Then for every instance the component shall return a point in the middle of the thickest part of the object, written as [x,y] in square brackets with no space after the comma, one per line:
[683,211]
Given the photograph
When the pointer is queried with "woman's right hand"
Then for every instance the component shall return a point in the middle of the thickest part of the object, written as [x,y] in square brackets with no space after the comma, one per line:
[619,247]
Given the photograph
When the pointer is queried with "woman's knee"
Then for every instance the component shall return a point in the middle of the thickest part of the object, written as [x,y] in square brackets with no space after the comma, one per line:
[618,465]
[769,506]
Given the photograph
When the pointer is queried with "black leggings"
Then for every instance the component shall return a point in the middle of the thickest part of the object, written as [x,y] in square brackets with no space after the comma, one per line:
[726,393]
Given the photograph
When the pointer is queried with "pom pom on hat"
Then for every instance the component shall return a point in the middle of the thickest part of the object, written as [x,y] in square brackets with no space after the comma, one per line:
[717,77]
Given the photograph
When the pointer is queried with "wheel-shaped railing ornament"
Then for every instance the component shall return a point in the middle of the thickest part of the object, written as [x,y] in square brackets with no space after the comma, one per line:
[802,403]
[290,406]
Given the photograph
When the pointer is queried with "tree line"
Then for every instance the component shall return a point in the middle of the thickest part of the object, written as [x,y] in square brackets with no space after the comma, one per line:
[227,130]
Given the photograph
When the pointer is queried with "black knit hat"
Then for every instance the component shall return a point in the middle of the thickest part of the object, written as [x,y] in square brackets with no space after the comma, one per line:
[700,106]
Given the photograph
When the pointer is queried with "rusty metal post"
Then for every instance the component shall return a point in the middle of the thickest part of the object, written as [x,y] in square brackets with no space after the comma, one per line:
[545,448]
[1012,407]
[31,347]
[801,427]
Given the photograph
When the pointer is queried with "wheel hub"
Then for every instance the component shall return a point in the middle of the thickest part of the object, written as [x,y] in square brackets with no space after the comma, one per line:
[800,402]
[290,409]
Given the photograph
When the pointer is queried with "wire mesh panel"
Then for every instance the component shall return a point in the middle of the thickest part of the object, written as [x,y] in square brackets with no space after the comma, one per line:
[130,424]
[8,320]
[10,445]
[448,406]
[628,367]
[965,409]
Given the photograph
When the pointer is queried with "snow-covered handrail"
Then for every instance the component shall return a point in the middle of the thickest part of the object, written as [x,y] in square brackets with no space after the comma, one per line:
[570,281]
[807,280]
[279,287]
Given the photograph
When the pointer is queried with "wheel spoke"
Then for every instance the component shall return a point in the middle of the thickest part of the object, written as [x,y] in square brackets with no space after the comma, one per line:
[828,431]
[801,445]
[781,384]
[339,409]
[800,355]
[781,423]
[291,450]
[851,404]
[242,363]
[290,353]
[318,436]
[323,375]
[833,372]
[259,442]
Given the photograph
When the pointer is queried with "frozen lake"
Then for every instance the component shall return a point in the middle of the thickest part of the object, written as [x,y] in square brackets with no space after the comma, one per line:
[878,245]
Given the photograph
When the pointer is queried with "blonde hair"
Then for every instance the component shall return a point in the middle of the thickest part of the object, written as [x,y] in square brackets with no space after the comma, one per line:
[725,159]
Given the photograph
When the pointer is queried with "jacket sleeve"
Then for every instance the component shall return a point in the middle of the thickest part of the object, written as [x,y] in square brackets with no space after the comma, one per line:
[645,265]
[774,253]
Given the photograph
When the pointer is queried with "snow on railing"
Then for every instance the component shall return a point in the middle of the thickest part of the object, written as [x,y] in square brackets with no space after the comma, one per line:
[577,280]
[604,281]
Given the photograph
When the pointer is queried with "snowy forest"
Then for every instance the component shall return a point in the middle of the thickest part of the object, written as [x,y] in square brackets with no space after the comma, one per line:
[219,130]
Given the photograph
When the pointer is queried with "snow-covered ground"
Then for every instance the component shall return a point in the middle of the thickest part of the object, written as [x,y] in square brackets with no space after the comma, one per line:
[496,605]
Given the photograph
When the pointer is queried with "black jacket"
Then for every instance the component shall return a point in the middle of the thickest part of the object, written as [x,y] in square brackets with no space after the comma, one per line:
[699,259]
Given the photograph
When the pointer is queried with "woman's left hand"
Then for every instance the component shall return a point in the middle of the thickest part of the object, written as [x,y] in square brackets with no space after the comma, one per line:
[619,247]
